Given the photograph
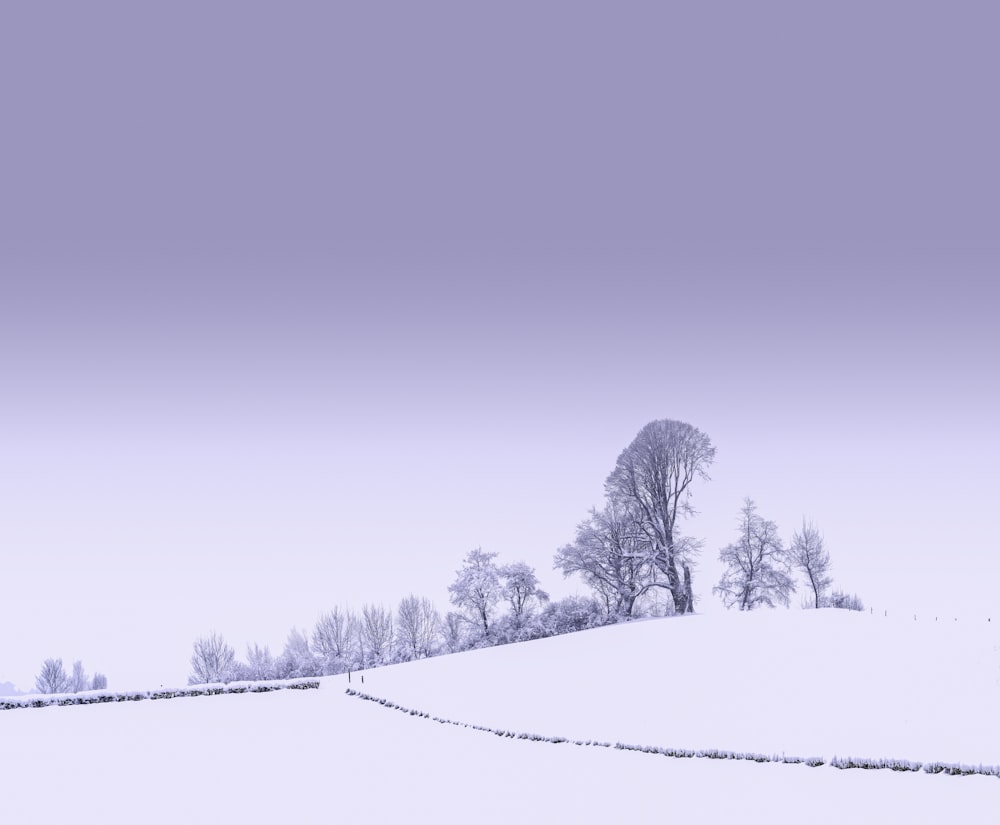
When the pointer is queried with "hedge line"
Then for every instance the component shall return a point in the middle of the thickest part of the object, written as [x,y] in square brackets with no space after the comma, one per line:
[679,753]
[102,697]
[949,768]
[682,753]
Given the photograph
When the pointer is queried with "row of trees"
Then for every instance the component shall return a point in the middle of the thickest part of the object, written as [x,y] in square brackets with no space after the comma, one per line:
[53,678]
[495,604]
[633,546]
[759,568]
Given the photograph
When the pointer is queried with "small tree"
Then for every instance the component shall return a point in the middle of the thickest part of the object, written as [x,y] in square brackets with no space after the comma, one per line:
[519,586]
[377,632]
[260,664]
[809,556]
[99,682]
[417,627]
[212,661]
[757,566]
[53,678]
[297,660]
[78,679]
[477,588]
[454,635]
[333,640]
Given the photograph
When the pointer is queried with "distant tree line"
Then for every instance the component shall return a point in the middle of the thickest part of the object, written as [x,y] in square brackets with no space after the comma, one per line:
[495,604]
[53,678]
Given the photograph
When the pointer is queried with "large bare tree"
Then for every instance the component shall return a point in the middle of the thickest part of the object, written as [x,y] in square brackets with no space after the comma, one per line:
[654,474]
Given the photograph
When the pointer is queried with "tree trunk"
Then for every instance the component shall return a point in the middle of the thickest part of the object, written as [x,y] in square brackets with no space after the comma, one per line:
[688,593]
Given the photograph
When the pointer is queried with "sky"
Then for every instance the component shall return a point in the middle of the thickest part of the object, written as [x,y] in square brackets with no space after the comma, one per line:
[299,305]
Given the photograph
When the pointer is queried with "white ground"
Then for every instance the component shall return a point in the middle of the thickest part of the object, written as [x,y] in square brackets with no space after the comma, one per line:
[804,683]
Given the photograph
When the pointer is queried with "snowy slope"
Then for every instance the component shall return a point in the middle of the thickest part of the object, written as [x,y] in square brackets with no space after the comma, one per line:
[321,755]
[824,683]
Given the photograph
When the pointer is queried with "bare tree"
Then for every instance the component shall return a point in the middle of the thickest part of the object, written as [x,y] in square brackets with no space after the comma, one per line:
[212,661]
[757,566]
[377,633]
[260,663]
[477,587]
[654,474]
[417,627]
[809,556]
[453,632]
[78,679]
[333,640]
[99,682]
[614,556]
[53,678]
[297,660]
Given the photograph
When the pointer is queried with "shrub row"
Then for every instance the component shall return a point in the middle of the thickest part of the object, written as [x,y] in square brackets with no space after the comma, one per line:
[953,769]
[104,696]
[949,768]
[681,753]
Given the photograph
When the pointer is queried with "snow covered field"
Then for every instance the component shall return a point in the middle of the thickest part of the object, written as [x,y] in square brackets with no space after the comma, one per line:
[809,683]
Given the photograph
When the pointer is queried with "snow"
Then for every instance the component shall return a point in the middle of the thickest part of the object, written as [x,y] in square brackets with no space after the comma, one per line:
[804,683]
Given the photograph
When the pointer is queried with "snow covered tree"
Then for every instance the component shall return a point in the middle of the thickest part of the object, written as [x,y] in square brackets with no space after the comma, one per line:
[297,660]
[417,627]
[812,559]
[260,665]
[654,475]
[454,635]
[757,566]
[519,586]
[614,556]
[570,615]
[334,640]
[78,678]
[843,601]
[99,682]
[212,661]
[376,632]
[52,678]
[477,587]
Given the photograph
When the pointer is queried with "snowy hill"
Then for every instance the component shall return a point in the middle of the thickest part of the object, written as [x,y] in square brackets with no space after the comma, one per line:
[820,683]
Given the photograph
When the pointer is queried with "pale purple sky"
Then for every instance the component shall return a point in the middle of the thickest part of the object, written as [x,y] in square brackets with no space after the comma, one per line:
[300,302]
